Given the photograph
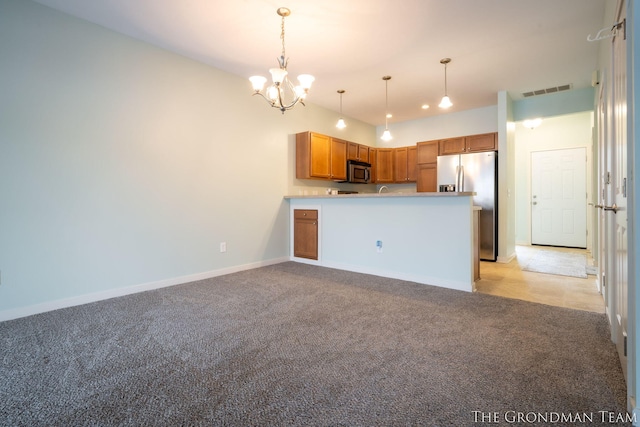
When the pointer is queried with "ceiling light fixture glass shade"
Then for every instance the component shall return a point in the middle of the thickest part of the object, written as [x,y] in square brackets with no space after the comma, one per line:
[386,135]
[445,102]
[341,124]
[282,94]
[532,123]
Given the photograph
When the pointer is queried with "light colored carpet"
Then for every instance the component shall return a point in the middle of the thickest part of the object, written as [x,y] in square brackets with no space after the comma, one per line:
[558,263]
[300,345]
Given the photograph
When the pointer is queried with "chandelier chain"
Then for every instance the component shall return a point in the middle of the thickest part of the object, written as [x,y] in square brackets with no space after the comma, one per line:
[282,35]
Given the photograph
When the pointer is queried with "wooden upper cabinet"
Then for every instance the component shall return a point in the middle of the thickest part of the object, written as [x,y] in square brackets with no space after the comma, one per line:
[427,178]
[412,164]
[313,156]
[451,146]
[484,142]
[352,151]
[400,164]
[363,153]
[338,159]
[320,157]
[405,162]
[469,144]
[372,160]
[384,165]
[427,152]
[357,152]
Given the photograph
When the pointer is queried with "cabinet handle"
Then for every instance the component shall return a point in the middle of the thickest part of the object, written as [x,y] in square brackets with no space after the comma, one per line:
[314,223]
[304,214]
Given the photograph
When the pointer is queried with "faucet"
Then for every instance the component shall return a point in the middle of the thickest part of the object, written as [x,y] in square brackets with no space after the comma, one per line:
[384,187]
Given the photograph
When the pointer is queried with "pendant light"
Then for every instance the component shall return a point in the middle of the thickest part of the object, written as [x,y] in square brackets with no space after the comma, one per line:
[386,135]
[446,102]
[341,124]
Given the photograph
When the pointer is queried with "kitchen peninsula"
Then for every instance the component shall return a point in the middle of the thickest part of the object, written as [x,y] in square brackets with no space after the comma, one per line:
[427,238]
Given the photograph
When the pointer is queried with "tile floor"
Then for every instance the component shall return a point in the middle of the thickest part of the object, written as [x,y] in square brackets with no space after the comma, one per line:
[510,281]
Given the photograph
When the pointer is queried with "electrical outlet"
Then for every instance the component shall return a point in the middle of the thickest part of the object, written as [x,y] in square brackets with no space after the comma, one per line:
[379,245]
[223,247]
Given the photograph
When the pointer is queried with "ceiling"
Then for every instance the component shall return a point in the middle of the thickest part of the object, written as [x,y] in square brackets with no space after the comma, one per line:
[494,45]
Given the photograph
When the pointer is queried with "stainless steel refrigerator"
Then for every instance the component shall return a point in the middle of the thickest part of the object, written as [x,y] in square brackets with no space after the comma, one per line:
[477,172]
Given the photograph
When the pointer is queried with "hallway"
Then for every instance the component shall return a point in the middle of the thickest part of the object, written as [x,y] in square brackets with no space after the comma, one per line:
[510,281]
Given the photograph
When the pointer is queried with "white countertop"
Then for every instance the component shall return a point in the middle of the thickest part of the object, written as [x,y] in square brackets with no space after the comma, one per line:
[380,195]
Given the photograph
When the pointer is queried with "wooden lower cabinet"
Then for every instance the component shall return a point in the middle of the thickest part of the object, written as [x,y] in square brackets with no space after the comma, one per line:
[305,233]
[427,178]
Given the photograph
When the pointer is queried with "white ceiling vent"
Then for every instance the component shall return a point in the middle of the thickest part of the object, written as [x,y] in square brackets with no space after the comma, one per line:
[548,90]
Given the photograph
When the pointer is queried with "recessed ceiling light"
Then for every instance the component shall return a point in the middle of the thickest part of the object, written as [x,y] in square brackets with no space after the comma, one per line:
[389,115]
[425,106]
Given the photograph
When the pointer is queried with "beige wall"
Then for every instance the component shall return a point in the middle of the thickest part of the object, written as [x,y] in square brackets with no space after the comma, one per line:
[125,166]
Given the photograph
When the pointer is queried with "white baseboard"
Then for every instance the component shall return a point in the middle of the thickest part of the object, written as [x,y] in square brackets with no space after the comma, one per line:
[16,313]
[506,259]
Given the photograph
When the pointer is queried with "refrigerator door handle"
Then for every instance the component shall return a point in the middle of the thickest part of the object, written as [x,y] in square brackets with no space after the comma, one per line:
[460,178]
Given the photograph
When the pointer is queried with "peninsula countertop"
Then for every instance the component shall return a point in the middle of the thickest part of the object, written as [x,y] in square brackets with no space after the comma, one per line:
[380,195]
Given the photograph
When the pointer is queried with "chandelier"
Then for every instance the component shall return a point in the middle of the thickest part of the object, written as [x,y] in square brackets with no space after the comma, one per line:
[282,94]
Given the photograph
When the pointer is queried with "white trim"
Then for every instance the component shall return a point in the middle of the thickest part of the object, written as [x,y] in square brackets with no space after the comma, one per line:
[128,290]
[506,259]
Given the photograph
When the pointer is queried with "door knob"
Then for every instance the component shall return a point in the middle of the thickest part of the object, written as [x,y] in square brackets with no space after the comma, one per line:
[613,208]
[534,203]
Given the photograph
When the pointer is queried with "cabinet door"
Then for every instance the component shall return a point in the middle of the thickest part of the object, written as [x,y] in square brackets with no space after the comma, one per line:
[427,178]
[400,164]
[427,152]
[451,146]
[305,233]
[384,165]
[412,164]
[338,159]
[320,156]
[484,142]
[352,151]
[363,153]
[373,161]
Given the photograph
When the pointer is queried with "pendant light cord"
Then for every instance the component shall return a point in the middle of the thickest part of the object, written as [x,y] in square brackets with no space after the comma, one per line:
[386,104]
[445,79]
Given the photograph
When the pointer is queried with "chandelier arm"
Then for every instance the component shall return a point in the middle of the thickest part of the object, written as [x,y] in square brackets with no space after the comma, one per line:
[265,98]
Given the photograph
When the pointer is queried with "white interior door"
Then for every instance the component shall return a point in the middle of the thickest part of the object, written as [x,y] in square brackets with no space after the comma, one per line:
[618,213]
[559,197]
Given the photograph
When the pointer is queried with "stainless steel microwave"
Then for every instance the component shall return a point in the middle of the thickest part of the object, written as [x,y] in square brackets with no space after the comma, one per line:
[358,172]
